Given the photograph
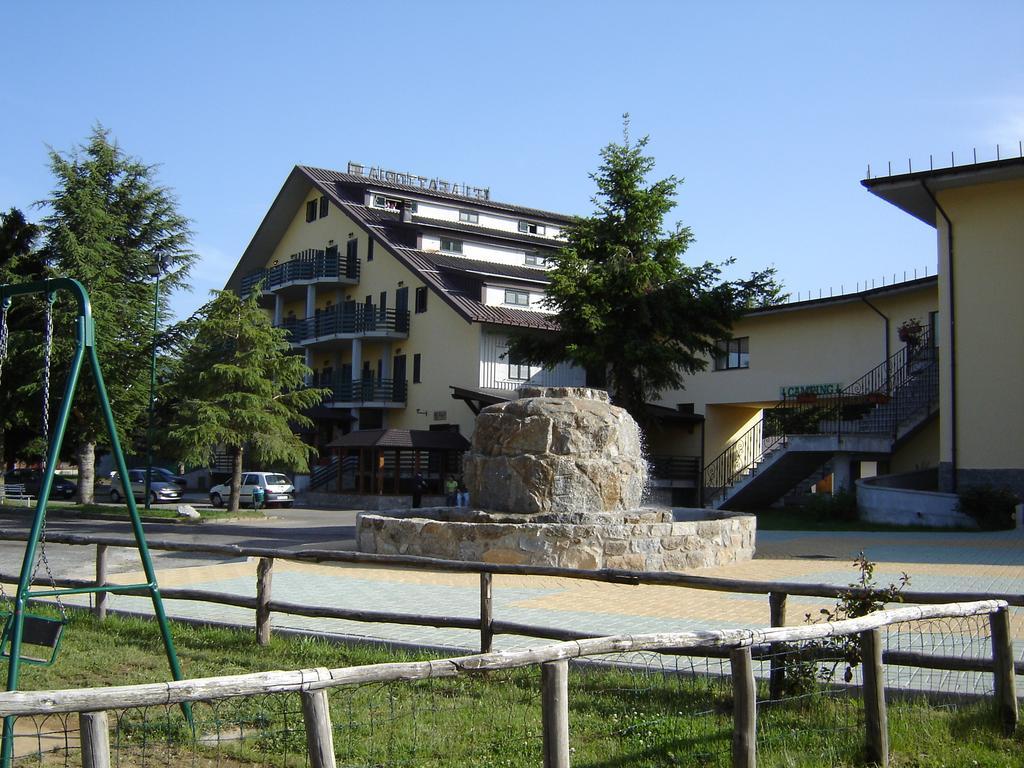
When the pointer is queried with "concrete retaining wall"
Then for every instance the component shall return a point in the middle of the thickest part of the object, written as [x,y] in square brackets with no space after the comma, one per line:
[896,500]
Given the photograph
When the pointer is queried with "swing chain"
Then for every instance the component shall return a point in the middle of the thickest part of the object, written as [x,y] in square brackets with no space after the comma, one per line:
[47,349]
[3,336]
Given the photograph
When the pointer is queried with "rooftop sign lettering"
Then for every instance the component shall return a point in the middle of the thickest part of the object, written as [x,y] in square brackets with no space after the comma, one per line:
[423,182]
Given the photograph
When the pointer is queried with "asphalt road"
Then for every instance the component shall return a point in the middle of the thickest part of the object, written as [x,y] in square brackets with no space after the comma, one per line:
[295,529]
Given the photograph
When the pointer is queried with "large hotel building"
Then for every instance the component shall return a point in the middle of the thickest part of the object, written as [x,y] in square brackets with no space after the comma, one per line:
[401,292]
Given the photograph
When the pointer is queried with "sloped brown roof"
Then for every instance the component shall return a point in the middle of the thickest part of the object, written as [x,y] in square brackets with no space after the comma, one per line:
[328,176]
[384,226]
[419,439]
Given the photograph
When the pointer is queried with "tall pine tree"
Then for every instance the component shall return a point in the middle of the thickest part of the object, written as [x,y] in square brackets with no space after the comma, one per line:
[628,308]
[20,399]
[110,222]
[241,388]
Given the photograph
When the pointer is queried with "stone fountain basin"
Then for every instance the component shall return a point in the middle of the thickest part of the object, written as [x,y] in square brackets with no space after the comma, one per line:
[647,539]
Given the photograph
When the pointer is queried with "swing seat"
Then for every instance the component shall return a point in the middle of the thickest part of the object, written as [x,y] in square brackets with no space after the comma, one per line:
[39,632]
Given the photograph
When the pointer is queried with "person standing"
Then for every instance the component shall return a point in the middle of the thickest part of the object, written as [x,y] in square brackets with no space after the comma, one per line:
[418,484]
[462,494]
[451,489]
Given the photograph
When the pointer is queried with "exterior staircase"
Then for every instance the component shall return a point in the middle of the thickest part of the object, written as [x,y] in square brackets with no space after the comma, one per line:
[794,439]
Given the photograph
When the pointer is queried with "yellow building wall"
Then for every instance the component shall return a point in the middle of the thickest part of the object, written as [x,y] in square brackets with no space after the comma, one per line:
[833,343]
[447,343]
[919,452]
[723,425]
[824,344]
[988,277]
[302,234]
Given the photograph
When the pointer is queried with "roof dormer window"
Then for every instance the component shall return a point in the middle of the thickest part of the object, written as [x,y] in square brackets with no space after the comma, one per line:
[535,260]
[531,228]
[387,203]
[448,245]
[469,217]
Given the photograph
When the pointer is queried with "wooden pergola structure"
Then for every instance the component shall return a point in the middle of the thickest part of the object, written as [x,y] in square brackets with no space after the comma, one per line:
[385,461]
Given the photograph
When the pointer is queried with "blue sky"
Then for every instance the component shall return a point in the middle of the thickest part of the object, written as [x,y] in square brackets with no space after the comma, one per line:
[771,112]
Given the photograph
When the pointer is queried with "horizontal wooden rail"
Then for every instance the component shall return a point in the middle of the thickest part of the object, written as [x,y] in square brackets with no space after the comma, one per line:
[19,703]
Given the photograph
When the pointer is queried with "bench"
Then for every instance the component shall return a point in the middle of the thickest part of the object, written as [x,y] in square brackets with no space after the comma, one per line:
[14,491]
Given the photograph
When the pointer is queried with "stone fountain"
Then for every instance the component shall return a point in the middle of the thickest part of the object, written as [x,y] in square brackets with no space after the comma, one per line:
[557,477]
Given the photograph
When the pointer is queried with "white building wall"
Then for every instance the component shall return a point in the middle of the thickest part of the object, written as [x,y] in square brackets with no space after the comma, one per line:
[485,219]
[470,250]
[494,368]
[494,295]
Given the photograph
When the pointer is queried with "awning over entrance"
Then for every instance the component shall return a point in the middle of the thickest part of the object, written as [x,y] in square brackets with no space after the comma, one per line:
[417,439]
[385,461]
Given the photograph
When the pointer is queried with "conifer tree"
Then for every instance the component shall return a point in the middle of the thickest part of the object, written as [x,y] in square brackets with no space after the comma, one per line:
[241,389]
[20,404]
[110,222]
[626,304]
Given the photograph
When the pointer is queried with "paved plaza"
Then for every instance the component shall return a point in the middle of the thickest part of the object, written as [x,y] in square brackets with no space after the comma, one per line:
[941,562]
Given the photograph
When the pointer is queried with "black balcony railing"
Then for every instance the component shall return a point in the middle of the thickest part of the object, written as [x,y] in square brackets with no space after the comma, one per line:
[367,390]
[306,266]
[349,318]
[674,467]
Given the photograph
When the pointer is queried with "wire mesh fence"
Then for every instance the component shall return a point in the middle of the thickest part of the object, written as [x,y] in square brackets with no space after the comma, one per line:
[673,706]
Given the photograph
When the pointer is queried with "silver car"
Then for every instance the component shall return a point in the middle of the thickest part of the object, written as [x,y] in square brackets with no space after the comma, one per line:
[277,490]
[158,489]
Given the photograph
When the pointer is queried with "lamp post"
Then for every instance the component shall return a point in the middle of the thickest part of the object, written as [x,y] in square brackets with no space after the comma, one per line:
[154,271]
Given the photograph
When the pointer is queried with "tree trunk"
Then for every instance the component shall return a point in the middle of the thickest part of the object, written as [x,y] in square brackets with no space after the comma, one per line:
[85,456]
[236,477]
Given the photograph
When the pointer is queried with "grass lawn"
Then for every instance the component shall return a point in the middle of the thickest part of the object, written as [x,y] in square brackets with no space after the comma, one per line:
[639,716]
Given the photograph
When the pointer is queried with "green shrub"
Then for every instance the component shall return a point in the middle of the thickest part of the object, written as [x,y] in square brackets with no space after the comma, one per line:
[841,505]
[991,507]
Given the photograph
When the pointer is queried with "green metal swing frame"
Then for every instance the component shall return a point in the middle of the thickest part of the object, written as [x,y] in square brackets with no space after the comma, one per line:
[14,626]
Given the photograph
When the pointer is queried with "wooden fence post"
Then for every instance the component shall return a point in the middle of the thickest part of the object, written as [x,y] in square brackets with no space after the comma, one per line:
[744,709]
[486,613]
[777,617]
[101,578]
[1003,672]
[876,718]
[319,736]
[95,739]
[554,698]
[264,578]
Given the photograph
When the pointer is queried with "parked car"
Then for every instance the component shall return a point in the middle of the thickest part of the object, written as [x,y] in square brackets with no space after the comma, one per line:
[158,489]
[159,473]
[277,490]
[32,479]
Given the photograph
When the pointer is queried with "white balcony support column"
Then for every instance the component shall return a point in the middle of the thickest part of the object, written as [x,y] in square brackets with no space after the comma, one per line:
[278,309]
[842,473]
[357,359]
[310,300]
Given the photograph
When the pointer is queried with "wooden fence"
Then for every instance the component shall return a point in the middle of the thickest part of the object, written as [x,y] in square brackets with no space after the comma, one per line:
[265,605]
[313,685]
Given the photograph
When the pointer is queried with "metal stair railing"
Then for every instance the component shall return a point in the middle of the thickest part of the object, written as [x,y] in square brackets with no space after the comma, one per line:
[323,474]
[885,388]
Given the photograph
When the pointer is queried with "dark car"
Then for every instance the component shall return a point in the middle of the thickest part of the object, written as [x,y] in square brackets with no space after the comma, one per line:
[32,480]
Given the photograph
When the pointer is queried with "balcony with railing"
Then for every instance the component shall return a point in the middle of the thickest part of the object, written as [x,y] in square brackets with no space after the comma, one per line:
[349,320]
[368,392]
[303,268]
